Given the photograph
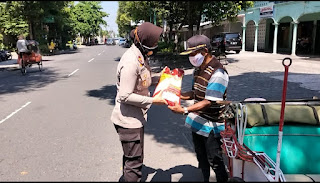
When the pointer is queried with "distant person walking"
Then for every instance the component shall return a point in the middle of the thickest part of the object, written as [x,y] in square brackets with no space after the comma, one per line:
[133,98]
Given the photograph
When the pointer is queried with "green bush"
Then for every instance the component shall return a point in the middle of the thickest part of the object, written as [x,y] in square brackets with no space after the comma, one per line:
[2,46]
[164,47]
[166,50]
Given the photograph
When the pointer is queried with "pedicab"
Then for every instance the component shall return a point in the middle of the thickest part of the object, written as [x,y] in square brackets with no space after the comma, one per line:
[31,57]
[273,141]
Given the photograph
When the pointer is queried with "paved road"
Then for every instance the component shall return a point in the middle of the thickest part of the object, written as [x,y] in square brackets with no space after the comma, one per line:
[54,125]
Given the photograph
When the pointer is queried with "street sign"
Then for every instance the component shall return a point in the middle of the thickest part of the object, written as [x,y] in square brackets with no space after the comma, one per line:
[266,12]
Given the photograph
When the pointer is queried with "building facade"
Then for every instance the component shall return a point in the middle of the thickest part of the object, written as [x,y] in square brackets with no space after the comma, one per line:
[290,27]
[282,27]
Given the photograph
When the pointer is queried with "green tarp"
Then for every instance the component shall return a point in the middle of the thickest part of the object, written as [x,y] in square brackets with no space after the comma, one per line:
[269,114]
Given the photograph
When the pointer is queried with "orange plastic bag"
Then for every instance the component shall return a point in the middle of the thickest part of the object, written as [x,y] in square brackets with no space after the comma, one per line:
[170,83]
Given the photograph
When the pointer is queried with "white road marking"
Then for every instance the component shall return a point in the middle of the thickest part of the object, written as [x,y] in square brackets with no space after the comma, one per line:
[99,54]
[91,60]
[73,72]
[9,116]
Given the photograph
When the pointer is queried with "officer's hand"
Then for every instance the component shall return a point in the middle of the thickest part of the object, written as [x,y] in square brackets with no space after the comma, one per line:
[159,100]
[176,108]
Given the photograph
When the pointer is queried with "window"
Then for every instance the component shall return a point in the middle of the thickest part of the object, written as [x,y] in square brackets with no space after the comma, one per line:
[232,36]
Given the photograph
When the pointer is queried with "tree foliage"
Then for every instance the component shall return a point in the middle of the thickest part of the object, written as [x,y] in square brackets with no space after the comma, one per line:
[88,16]
[215,11]
[67,20]
[136,11]
[11,24]
[178,13]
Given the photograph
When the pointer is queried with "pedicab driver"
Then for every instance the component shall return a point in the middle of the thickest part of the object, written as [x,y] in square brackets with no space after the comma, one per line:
[133,98]
[22,46]
[210,81]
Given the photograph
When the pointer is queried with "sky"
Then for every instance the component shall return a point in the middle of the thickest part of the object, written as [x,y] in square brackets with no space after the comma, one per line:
[111,7]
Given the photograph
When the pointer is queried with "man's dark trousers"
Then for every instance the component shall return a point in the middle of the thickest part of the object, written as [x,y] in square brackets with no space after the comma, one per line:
[208,151]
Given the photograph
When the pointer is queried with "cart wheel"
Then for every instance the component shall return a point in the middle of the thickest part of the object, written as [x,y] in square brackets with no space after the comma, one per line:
[23,67]
[40,66]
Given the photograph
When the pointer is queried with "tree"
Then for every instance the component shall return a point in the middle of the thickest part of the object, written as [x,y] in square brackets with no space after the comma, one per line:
[179,13]
[123,19]
[46,20]
[20,18]
[88,17]
[214,11]
[137,11]
[173,12]
[193,12]
[11,24]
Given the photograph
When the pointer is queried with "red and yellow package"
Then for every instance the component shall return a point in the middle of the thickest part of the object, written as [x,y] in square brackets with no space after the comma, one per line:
[170,83]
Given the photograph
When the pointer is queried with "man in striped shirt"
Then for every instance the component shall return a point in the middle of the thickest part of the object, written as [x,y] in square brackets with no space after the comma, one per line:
[209,88]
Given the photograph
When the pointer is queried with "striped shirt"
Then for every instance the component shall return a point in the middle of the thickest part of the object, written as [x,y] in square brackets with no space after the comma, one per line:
[214,91]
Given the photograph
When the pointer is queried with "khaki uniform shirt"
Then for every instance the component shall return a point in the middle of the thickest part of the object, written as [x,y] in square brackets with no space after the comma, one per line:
[133,97]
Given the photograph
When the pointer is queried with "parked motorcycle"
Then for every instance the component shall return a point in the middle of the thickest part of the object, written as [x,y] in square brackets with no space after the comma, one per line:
[5,55]
[75,46]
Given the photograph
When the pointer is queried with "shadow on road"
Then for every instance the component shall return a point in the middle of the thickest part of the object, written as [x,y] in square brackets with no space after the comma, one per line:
[107,92]
[15,82]
[189,173]
[117,59]
[269,86]
[232,60]
[62,52]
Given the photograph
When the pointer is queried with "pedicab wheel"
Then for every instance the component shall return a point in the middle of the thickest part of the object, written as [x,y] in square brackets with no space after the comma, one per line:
[23,67]
[40,66]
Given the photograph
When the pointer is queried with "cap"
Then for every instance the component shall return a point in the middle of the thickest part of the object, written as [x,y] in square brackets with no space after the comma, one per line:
[197,42]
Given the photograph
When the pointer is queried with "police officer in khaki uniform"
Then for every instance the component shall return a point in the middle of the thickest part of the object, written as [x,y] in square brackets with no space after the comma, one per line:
[133,98]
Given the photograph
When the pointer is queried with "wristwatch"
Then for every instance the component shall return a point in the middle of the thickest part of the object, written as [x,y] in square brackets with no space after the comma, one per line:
[185,111]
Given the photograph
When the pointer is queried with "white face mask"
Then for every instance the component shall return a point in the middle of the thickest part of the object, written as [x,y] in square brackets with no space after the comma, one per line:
[196,60]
